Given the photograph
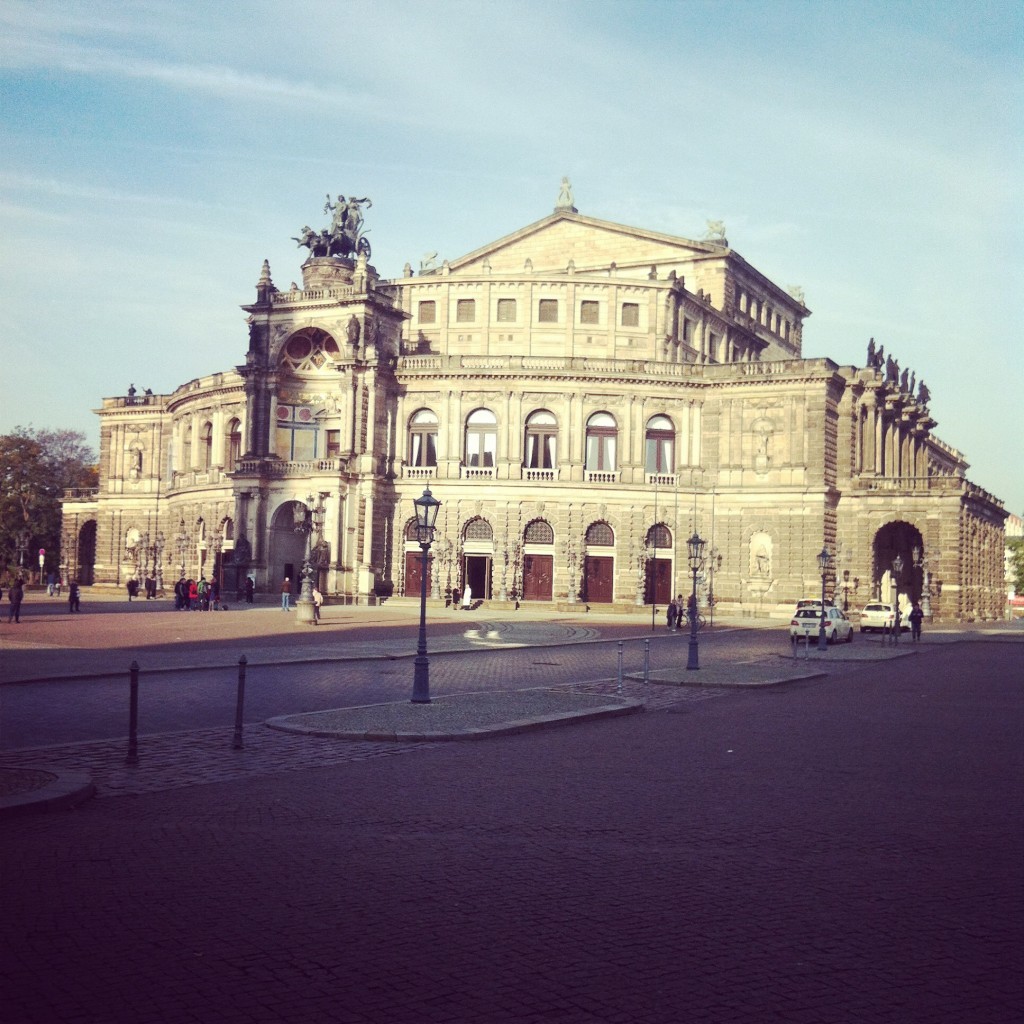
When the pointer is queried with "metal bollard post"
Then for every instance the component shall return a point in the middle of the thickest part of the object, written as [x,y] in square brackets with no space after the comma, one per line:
[620,667]
[133,715]
[647,661]
[239,704]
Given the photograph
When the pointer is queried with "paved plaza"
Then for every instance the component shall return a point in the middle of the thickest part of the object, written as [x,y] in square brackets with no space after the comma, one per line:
[845,846]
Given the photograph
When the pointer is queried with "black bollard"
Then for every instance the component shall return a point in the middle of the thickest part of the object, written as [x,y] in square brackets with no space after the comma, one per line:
[239,704]
[133,716]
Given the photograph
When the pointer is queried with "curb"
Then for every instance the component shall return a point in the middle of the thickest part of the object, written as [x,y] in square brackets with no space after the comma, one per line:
[62,791]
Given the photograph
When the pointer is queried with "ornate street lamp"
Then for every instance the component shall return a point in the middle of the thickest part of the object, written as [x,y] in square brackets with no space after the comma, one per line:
[897,572]
[846,590]
[824,559]
[182,542]
[308,519]
[695,557]
[427,507]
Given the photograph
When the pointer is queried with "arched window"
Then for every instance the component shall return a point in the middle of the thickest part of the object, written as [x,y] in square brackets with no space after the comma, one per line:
[541,441]
[309,350]
[234,445]
[659,536]
[412,531]
[206,448]
[186,449]
[478,529]
[539,532]
[600,535]
[481,438]
[659,445]
[423,438]
[601,437]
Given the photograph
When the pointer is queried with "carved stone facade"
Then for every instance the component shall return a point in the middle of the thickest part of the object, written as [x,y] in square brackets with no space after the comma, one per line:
[581,397]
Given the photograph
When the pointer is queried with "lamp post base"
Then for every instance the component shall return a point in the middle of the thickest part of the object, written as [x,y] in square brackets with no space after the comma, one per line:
[421,680]
[692,661]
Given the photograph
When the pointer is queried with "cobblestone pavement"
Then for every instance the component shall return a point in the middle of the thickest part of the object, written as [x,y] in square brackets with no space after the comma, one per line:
[836,851]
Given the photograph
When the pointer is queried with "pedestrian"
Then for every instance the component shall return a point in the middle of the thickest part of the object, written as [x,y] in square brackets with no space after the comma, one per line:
[691,609]
[250,589]
[467,598]
[74,601]
[455,597]
[150,588]
[916,616]
[130,587]
[318,599]
[15,596]
[51,582]
[286,594]
[203,593]
[214,594]
[193,596]
[672,615]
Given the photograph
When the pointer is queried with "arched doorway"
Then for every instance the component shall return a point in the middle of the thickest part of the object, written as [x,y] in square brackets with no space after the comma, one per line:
[85,565]
[287,546]
[897,554]
[599,564]
[414,561]
[538,561]
[658,573]
[478,555]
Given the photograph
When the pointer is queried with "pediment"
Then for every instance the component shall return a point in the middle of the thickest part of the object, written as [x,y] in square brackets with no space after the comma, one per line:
[590,244]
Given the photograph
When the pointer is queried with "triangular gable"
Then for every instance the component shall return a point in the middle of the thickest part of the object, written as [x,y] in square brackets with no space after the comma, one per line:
[550,244]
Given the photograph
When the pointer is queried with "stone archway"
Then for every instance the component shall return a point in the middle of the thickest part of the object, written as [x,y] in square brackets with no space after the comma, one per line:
[287,548]
[899,544]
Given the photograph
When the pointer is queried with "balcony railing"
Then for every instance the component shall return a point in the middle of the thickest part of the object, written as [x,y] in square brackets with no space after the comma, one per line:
[277,468]
[477,472]
[420,472]
[80,493]
[539,475]
[601,476]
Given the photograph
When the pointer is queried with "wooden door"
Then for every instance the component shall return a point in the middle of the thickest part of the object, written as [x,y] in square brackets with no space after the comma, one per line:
[538,571]
[598,576]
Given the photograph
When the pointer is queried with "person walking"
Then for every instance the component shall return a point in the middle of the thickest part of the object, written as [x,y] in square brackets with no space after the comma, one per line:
[318,599]
[250,589]
[916,617]
[672,615]
[15,596]
[74,600]
[214,594]
[286,594]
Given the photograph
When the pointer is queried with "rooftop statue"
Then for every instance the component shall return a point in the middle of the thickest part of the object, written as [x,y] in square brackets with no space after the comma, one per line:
[345,235]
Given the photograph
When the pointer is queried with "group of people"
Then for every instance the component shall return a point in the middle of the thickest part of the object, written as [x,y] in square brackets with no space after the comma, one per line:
[192,596]
[286,599]
[680,612]
[149,583]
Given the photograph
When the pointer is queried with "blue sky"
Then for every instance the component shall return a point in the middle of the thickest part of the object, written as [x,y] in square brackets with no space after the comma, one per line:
[152,154]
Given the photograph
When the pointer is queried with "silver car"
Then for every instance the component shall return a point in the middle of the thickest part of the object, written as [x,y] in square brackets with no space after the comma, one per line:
[878,616]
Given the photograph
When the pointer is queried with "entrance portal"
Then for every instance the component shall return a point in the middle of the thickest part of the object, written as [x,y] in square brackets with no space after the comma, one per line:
[898,552]
[476,574]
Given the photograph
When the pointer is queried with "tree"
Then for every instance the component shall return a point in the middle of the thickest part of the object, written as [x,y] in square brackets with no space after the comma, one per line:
[36,466]
[1016,546]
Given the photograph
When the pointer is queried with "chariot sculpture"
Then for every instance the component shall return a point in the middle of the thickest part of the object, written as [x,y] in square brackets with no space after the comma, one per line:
[345,236]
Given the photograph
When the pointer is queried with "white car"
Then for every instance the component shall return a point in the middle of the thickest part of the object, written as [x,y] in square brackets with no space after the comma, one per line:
[877,615]
[806,622]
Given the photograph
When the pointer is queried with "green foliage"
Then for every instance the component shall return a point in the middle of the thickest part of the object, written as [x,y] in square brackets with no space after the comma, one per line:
[35,468]
[1016,546]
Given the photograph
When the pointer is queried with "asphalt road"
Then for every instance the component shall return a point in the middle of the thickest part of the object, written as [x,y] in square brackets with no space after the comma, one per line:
[847,849]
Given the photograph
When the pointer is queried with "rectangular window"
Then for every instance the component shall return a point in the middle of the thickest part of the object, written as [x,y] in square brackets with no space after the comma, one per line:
[333,444]
[427,312]
[589,311]
[506,311]
[465,311]
[547,311]
[296,444]
[630,314]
